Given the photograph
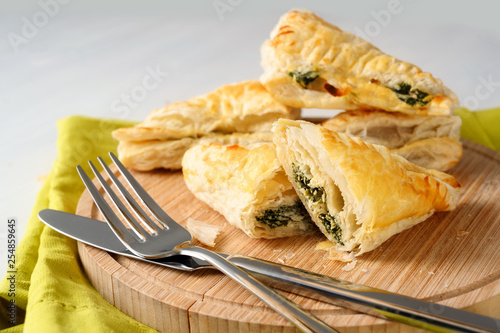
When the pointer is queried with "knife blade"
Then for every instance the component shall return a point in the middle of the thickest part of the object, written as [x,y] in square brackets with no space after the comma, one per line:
[98,234]
[375,302]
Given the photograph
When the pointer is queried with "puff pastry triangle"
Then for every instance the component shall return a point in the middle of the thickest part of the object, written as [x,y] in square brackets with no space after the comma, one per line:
[241,107]
[167,154]
[248,186]
[357,193]
[430,142]
[311,63]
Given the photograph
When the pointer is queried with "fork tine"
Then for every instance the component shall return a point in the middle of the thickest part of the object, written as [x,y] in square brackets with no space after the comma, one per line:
[139,212]
[114,222]
[131,221]
[149,202]
[172,242]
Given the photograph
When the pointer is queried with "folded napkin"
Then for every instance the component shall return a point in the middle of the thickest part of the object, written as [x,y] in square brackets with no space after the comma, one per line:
[481,126]
[52,292]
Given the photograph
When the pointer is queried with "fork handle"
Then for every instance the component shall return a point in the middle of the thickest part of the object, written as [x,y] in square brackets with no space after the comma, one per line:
[304,320]
[376,302]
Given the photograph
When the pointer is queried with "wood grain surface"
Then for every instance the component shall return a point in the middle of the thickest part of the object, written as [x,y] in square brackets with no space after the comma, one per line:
[453,258]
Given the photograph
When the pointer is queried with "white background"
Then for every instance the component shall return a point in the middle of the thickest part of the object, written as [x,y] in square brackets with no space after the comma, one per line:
[83,56]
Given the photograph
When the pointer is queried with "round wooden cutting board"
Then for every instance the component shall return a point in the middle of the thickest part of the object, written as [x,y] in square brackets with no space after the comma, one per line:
[453,258]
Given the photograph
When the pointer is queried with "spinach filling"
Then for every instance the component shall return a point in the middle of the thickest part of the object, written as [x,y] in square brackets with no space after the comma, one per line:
[304,78]
[412,97]
[317,196]
[331,227]
[314,194]
[283,215]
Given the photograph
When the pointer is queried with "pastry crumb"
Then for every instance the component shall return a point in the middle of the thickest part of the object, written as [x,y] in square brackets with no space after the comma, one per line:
[205,233]
[462,233]
[333,253]
[350,266]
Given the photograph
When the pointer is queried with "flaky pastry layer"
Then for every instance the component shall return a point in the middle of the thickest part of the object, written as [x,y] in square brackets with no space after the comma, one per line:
[357,193]
[310,63]
[248,186]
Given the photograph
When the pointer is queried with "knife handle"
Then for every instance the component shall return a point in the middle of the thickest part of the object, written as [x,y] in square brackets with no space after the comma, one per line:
[407,310]
[303,319]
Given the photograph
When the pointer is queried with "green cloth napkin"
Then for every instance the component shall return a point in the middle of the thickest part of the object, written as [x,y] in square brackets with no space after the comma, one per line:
[50,285]
[52,293]
[481,126]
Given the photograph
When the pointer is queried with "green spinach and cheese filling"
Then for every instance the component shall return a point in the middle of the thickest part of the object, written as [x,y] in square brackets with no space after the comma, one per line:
[304,78]
[312,80]
[412,97]
[283,215]
[316,200]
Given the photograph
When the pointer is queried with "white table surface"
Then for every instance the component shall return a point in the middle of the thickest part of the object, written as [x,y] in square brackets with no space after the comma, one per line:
[67,57]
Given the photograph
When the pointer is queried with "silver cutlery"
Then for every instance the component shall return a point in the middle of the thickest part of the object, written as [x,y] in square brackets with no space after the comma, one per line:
[361,298]
[168,238]
[364,299]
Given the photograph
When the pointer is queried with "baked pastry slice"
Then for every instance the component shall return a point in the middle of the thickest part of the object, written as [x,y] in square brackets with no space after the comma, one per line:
[310,63]
[358,194]
[434,153]
[242,107]
[248,186]
[428,141]
[167,154]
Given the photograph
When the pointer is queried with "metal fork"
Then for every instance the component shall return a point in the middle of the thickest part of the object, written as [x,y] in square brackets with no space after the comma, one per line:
[150,240]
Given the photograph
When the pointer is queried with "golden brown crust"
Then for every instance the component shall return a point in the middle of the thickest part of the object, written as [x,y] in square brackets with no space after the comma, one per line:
[167,154]
[370,193]
[234,113]
[144,133]
[154,154]
[428,141]
[434,153]
[242,107]
[242,183]
[349,73]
